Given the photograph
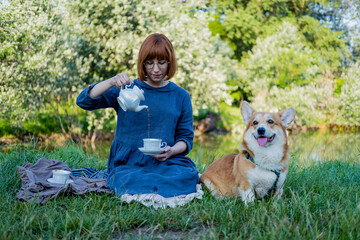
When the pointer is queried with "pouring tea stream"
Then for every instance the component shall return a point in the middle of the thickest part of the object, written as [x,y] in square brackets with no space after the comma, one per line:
[129,99]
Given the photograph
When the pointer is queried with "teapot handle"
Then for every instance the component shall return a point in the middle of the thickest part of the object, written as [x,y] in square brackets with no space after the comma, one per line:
[126,85]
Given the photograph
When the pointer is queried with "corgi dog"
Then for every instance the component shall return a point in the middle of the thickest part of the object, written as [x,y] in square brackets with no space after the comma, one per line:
[259,170]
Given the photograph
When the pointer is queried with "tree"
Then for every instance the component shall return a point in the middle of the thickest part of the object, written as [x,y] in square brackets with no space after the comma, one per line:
[50,51]
[244,23]
[39,61]
[114,30]
[281,60]
[348,21]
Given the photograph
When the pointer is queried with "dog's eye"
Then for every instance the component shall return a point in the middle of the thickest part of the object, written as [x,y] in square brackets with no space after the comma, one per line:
[255,122]
[270,121]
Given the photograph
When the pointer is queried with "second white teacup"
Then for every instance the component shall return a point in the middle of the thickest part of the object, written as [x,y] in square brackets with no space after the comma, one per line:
[153,143]
[60,176]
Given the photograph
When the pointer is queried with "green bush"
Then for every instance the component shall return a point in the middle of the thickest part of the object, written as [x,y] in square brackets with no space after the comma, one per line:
[349,99]
[5,128]
[43,123]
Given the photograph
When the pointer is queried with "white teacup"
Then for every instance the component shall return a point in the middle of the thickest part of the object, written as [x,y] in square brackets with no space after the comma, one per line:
[153,143]
[60,176]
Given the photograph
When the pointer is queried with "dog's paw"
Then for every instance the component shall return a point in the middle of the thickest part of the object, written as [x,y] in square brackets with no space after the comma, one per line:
[247,196]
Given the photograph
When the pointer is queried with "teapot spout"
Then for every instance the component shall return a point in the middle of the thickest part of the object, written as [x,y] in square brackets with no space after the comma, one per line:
[139,108]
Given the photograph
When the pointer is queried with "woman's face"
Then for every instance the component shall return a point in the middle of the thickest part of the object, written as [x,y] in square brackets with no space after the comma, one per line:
[156,70]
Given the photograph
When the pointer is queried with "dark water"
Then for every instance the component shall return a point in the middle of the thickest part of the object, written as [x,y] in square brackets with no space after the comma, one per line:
[312,146]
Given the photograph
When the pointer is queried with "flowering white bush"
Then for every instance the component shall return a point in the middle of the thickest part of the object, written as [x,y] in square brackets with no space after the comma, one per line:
[204,61]
[39,60]
[50,51]
[317,104]
[349,101]
[311,102]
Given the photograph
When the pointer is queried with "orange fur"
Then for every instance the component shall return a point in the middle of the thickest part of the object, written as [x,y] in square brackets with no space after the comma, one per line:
[236,176]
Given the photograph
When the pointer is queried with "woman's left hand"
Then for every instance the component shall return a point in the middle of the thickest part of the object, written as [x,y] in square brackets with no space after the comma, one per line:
[164,155]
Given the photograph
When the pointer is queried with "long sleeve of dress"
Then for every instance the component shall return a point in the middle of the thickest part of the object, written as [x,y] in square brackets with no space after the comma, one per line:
[108,99]
[184,130]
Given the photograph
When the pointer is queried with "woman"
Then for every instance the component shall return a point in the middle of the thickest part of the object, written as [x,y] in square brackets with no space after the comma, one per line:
[169,173]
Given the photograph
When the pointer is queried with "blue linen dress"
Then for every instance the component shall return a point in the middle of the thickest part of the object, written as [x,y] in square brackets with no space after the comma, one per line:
[129,170]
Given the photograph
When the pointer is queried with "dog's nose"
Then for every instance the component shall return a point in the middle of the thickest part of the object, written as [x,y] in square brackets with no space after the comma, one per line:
[261,131]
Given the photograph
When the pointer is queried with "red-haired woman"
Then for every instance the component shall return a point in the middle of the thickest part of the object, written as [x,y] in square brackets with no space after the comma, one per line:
[169,173]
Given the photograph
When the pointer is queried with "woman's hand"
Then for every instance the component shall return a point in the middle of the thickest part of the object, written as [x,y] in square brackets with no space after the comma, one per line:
[178,148]
[118,81]
[164,155]
[121,79]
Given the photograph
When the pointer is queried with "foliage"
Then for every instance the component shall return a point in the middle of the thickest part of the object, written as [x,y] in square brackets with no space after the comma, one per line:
[280,43]
[242,22]
[342,16]
[114,30]
[23,57]
[280,60]
[5,128]
[231,119]
[39,61]
[282,71]
[349,105]
[328,45]
[320,103]
[313,103]
[51,50]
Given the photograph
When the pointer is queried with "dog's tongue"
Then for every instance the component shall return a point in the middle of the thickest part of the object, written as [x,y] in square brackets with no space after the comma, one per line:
[262,141]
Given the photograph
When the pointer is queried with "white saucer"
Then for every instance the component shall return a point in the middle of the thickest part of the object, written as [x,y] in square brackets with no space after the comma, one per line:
[53,181]
[151,151]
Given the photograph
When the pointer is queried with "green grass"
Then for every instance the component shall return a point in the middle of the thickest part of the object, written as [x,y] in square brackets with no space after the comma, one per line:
[320,201]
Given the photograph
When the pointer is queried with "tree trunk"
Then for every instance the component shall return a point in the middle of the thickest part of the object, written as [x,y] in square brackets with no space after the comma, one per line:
[93,138]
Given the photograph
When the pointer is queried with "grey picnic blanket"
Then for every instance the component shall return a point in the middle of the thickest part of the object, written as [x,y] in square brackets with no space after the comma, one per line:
[35,186]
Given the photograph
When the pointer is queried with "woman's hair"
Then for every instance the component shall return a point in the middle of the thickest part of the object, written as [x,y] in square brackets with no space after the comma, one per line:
[156,46]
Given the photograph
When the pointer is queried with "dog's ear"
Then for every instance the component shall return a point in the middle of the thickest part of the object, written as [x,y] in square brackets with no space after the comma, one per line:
[287,116]
[246,111]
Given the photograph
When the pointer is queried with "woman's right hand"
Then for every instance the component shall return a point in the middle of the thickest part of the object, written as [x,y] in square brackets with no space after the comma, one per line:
[120,80]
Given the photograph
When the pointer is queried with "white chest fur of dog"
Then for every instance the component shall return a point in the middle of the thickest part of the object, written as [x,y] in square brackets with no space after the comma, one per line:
[260,169]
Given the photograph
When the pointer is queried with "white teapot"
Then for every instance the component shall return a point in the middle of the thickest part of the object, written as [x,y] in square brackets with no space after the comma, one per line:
[129,99]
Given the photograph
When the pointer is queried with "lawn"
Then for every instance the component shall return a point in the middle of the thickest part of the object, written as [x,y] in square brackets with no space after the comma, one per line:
[321,200]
